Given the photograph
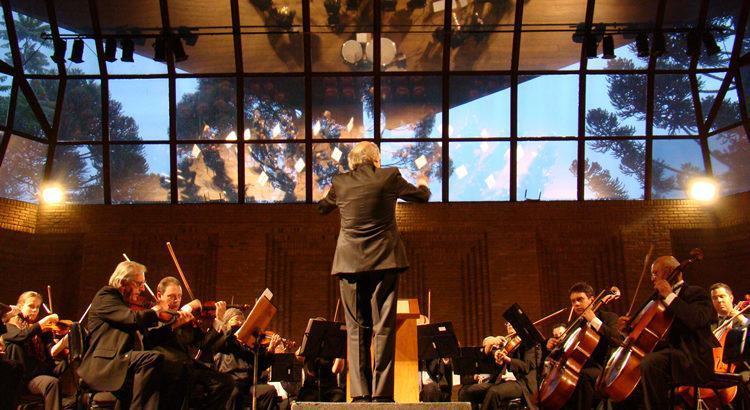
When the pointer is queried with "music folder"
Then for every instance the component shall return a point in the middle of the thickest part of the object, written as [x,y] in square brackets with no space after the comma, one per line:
[257,320]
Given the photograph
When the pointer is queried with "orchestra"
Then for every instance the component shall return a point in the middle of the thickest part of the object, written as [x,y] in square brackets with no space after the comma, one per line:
[155,352]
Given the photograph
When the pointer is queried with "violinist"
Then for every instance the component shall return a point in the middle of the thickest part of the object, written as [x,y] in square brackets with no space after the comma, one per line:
[115,360]
[582,296]
[180,342]
[30,342]
[238,363]
[474,391]
[723,302]
[684,356]
[11,372]
[519,376]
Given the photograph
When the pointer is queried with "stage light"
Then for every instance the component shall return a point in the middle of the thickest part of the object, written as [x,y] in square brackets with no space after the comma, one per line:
[703,189]
[110,50]
[352,5]
[76,55]
[658,45]
[641,44]
[178,50]
[283,16]
[61,47]
[608,48]
[592,47]
[187,35]
[710,43]
[693,46]
[416,4]
[52,194]
[127,50]
[160,50]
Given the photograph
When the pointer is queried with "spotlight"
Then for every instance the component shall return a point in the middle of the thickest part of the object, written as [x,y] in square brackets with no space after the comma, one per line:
[52,194]
[332,6]
[693,43]
[61,47]
[658,46]
[178,50]
[703,189]
[110,50]
[352,5]
[641,44]
[416,4]
[608,48]
[263,5]
[389,5]
[160,50]
[283,16]
[187,35]
[76,55]
[710,43]
[127,50]
[592,47]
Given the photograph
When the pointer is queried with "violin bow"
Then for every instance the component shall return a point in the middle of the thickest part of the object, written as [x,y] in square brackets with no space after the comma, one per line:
[336,313]
[731,319]
[49,297]
[179,270]
[429,305]
[148,288]
[646,260]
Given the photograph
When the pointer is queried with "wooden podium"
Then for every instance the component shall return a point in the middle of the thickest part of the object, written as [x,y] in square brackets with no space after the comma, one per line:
[407,356]
[406,378]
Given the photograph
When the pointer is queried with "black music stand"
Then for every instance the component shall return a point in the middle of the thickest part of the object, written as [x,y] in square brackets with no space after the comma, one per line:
[472,360]
[285,368]
[323,340]
[526,330]
[737,346]
[437,341]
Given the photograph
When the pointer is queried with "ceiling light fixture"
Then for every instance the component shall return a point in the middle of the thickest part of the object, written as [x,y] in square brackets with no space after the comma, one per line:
[608,47]
[76,55]
[110,49]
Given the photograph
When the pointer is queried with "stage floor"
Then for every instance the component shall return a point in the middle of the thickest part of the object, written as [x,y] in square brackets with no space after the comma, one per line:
[370,406]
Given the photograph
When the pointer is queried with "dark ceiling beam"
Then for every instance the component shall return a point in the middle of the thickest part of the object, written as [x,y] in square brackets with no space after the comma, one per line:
[650,98]
[104,87]
[307,56]
[702,131]
[515,55]
[581,157]
[446,104]
[240,97]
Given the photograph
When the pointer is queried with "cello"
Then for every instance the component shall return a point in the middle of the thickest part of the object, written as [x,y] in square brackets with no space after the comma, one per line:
[652,323]
[566,361]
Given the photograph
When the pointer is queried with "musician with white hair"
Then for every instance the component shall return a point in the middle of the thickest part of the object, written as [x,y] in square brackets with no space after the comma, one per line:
[369,257]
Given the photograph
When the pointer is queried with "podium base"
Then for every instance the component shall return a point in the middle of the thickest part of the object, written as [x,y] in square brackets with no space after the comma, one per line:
[372,406]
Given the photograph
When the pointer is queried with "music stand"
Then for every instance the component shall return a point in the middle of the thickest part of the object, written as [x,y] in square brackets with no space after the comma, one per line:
[737,346]
[472,360]
[323,339]
[437,341]
[256,322]
[285,368]
[526,330]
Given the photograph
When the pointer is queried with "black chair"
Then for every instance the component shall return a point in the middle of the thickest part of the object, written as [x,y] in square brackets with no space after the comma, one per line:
[719,382]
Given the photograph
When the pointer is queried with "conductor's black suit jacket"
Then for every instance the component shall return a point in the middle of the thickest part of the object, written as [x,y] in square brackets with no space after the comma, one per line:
[112,327]
[366,198]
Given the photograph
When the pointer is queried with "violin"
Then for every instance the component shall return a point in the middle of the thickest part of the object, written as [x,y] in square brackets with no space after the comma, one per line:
[288,345]
[652,323]
[566,361]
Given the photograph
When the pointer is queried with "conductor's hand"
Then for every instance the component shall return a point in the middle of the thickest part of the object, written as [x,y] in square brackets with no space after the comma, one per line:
[622,323]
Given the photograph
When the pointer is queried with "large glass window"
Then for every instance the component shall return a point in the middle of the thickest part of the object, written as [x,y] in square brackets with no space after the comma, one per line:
[674,163]
[342,108]
[275,172]
[139,173]
[274,108]
[207,172]
[78,168]
[411,107]
[81,117]
[546,170]
[548,105]
[615,105]
[139,109]
[481,171]
[730,160]
[479,107]
[414,160]
[614,169]
[22,169]
[206,109]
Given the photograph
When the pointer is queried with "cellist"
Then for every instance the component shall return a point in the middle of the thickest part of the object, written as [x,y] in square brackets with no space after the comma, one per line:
[722,299]
[582,296]
[684,356]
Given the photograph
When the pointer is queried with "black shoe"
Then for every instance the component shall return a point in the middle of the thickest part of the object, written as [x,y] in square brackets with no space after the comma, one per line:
[383,399]
[361,399]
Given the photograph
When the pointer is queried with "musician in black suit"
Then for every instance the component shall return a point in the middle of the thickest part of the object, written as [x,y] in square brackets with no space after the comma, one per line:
[582,296]
[439,385]
[11,372]
[115,360]
[369,256]
[522,364]
[685,355]
[722,300]
[474,387]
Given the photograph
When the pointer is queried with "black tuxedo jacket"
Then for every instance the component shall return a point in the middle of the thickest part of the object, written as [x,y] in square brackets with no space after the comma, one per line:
[366,198]
[691,333]
[525,364]
[112,330]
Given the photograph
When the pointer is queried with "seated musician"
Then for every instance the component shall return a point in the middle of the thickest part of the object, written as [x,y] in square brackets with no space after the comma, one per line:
[30,343]
[475,390]
[437,380]
[182,343]
[581,296]
[685,355]
[723,302]
[11,371]
[321,379]
[115,361]
[558,330]
[519,376]
[238,363]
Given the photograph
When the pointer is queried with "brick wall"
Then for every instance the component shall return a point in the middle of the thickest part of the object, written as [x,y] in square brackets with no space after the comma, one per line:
[17,216]
[475,258]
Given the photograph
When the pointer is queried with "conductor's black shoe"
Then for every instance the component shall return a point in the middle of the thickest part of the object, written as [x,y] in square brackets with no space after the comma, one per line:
[383,399]
[361,399]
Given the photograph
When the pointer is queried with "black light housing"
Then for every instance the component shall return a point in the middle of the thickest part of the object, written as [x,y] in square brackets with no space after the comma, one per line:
[710,43]
[641,44]
[76,55]
[160,50]
[61,46]
[389,5]
[128,47]
[110,49]
[416,4]
[187,35]
[592,47]
[693,47]
[352,5]
[608,47]
[658,45]
[178,50]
